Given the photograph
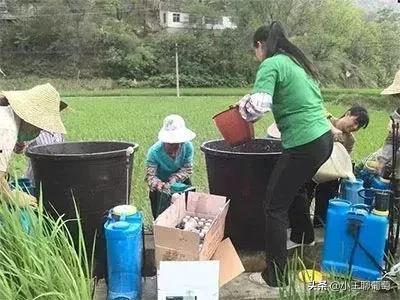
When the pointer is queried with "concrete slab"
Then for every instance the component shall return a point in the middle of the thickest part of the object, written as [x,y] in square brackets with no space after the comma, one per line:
[241,287]
[254,261]
[149,269]
[149,289]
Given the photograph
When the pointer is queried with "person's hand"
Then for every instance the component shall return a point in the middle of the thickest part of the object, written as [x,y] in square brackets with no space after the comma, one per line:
[337,134]
[172,180]
[160,186]
[23,199]
[374,165]
[174,197]
[242,101]
[380,167]
[19,147]
[167,187]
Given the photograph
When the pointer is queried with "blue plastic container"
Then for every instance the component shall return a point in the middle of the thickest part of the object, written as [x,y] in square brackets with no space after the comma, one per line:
[336,249]
[339,243]
[373,234]
[366,175]
[124,256]
[349,191]
[24,184]
[379,183]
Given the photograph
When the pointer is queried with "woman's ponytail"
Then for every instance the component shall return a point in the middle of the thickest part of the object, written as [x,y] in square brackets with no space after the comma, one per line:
[275,41]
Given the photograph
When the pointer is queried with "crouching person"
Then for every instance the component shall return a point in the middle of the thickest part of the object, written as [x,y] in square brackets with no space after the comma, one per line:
[343,130]
[170,160]
[386,154]
[23,114]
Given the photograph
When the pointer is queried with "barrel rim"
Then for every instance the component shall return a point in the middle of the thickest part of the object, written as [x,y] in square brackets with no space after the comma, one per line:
[208,150]
[94,155]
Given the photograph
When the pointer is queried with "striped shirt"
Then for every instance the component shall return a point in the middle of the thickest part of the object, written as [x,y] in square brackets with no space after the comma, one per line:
[386,154]
[44,138]
[253,107]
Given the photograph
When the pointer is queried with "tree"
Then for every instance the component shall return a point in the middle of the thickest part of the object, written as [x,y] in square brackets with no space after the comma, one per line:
[389,41]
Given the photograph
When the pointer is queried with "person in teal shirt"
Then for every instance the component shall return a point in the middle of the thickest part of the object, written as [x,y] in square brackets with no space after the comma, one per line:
[286,83]
[170,160]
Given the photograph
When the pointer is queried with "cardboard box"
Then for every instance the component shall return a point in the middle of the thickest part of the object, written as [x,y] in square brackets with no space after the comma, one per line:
[173,244]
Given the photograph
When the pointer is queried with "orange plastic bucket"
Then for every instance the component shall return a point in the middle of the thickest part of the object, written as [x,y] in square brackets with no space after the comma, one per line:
[233,127]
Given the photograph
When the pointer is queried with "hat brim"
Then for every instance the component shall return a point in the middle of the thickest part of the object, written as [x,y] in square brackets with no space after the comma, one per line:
[177,136]
[391,90]
[39,106]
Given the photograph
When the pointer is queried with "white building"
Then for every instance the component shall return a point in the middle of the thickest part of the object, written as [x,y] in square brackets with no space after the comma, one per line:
[174,21]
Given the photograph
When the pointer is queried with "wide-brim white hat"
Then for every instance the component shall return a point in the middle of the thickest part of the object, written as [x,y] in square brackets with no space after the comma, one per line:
[174,131]
[39,106]
[394,88]
[273,131]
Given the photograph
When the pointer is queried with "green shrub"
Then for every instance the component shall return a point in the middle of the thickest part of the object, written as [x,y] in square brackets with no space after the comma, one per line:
[206,80]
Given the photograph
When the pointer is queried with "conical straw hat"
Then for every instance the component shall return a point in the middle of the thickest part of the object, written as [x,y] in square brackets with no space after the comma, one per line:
[394,88]
[39,106]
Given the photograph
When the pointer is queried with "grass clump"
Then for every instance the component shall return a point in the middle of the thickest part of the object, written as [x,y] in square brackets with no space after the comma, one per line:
[38,258]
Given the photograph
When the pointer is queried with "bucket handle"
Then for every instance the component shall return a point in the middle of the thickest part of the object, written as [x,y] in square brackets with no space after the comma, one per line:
[129,151]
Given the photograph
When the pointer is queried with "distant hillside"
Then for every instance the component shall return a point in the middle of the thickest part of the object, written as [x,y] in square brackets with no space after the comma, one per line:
[375,5]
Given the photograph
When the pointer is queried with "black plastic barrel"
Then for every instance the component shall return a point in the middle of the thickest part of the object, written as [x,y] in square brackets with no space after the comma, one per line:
[241,173]
[97,175]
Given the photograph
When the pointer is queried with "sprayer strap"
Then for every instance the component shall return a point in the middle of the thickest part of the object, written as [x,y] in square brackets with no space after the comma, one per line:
[356,237]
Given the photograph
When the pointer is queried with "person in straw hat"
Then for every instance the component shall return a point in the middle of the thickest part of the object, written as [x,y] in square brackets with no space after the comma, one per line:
[44,138]
[169,160]
[23,114]
[385,155]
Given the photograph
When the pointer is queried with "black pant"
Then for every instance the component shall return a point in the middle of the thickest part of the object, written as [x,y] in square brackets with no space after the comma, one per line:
[323,193]
[154,197]
[302,230]
[295,167]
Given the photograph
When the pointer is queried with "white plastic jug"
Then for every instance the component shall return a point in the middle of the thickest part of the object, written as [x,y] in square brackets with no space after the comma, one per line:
[337,166]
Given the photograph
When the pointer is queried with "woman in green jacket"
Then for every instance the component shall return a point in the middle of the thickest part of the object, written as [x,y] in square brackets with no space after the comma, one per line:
[286,83]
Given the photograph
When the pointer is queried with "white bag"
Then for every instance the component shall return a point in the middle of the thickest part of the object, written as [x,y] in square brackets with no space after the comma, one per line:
[337,166]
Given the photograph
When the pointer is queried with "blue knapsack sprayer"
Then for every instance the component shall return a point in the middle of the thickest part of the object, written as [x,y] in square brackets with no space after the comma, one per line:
[124,234]
[124,239]
[360,236]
